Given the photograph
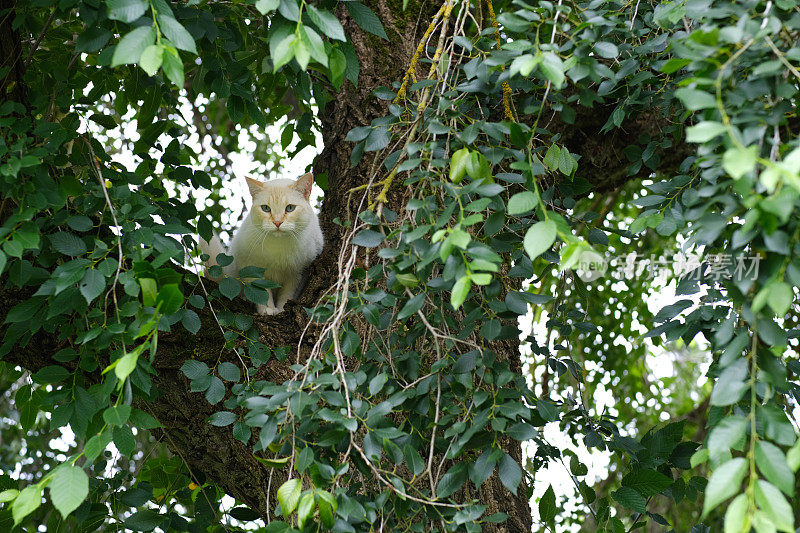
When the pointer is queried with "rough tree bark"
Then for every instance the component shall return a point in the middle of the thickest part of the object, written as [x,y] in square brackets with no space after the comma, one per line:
[183,414]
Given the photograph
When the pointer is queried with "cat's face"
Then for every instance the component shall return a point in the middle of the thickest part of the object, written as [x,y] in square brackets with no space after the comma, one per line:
[281,206]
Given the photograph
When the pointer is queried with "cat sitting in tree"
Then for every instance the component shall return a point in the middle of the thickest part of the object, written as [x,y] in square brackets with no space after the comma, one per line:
[280,234]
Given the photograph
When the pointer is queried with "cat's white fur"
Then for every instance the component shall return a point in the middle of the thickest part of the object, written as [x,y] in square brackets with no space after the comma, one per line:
[283,243]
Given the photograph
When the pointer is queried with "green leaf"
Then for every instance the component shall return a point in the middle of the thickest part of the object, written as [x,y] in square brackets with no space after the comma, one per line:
[305,509]
[366,19]
[793,457]
[739,161]
[169,299]
[674,65]
[646,482]
[215,391]
[547,410]
[290,10]
[411,306]
[547,505]
[775,506]
[327,23]
[451,481]
[458,165]
[539,238]
[552,157]
[274,463]
[315,45]
[140,419]
[222,418]
[524,64]
[724,483]
[230,288]
[151,59]
[630,498]
[553,69]
[125,365]
[91,40]
[728,433]
[68,488]
[173,66]
[229,372]
[124,440]
[368,238]
[126,10]
[522,431]
[460,291]
[694,100]
[8,495]
[413,460]
[566,163]
[378,138]
[730,384]
[95,445]
[50,374]
[144,520]
[176,33]
[68,243]
[509,472]
[780,297]
[149,287]
[704,131]
[266,6]
[301,52]
[27,501]
[478,166]
[327,508]
[736,514]
[772,463]
[699,457]
[191,321]
[482,468]
[606,49]
[117,415]
[130,48]
[283,53]
[92,285]
[337,62]
[288,496]
[194,369]
[522,202]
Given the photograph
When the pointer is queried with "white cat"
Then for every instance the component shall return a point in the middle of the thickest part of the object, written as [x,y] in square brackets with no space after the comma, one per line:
[280,234]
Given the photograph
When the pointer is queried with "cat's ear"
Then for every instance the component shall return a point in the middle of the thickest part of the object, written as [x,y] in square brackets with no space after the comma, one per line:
[254,185]
[304,184]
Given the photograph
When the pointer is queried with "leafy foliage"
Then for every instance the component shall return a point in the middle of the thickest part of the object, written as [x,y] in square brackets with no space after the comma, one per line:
[479,205]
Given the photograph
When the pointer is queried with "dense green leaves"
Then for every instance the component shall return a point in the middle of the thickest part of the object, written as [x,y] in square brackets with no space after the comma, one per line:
[513,165]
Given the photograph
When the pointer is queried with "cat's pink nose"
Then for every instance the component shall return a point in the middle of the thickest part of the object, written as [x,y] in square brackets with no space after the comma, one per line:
[277,223]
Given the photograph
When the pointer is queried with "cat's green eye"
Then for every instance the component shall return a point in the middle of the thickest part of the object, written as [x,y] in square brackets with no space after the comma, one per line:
[265,208]
[290,208]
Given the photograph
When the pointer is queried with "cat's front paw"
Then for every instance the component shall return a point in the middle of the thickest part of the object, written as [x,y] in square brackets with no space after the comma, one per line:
[264,310]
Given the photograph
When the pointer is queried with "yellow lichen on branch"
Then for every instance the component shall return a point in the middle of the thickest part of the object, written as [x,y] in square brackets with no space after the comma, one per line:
[447,7]
[506,87]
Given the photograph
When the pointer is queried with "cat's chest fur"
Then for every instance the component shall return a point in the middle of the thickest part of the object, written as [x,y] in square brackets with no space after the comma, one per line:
[282,254]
